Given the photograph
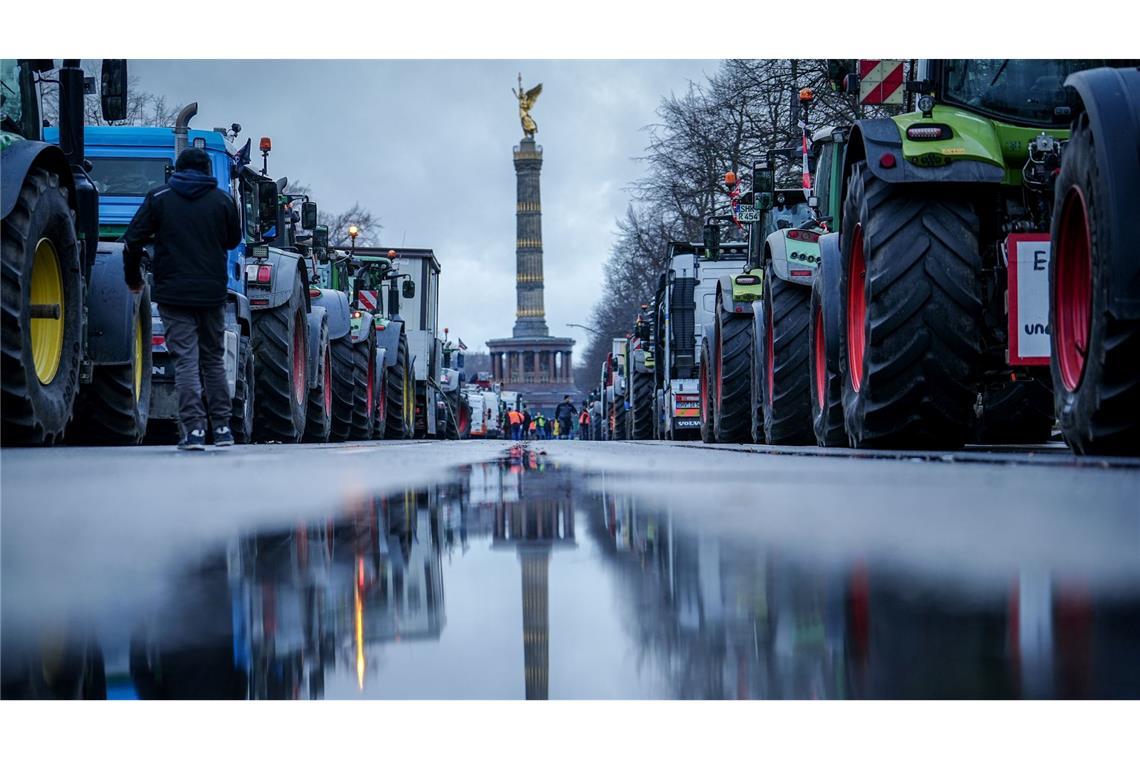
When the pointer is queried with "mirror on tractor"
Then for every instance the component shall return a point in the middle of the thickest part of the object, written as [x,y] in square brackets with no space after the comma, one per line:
[309,215]
[265,192]
[113,89]
[408,289]
[712,238]
[764,201]
[321,242]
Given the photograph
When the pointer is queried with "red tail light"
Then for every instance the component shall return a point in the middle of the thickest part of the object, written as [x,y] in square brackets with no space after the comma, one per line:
[265,273]
[804,236]
[158,340]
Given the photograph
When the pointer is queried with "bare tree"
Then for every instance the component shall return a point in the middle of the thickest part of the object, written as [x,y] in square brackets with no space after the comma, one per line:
[367,223]
[144,109]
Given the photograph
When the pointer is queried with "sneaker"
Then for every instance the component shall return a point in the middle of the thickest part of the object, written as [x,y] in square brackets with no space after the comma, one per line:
[223,436]
[195,440]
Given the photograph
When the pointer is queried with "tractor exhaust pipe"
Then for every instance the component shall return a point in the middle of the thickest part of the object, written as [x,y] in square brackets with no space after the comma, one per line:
[182,127]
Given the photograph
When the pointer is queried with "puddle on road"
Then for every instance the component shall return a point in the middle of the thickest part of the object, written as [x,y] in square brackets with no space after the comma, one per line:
[519,579]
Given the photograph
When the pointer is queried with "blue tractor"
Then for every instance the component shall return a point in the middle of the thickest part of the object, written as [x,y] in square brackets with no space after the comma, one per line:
[273,342]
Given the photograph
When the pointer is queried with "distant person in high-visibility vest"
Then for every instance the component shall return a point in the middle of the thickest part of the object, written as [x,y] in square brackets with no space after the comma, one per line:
[530,430]
[516,420]
[583,425]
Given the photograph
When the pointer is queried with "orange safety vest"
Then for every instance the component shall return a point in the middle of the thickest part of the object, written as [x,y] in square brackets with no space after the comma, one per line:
[515,417]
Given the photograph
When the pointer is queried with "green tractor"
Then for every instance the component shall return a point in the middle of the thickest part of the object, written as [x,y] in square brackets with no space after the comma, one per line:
[944,260]
[365,275]
[71,328]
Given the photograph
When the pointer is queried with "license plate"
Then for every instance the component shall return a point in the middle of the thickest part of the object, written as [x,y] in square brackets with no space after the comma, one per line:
[748,215]
[688,404]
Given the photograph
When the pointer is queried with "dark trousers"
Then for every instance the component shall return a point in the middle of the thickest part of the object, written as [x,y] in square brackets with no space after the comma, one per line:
[516,431]
[195,339]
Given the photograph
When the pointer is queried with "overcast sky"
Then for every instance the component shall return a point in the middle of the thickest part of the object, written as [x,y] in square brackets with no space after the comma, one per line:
[426,145]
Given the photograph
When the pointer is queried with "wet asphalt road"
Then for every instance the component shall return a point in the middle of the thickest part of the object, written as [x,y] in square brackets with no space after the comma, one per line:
[568,570]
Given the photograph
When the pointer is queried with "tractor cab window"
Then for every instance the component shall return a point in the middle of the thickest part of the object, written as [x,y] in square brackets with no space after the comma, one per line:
[1026,91]
[128,176]
[18,99]
[786,214]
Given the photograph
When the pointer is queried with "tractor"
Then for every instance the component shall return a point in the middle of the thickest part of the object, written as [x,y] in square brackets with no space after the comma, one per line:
[76,342]
[944,262]
[640,370]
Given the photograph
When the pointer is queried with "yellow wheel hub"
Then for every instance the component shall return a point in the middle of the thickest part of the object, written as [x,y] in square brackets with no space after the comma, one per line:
[46,311]
[138,357]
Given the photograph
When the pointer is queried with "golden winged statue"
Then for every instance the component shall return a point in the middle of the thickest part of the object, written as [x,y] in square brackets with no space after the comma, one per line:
[526,102]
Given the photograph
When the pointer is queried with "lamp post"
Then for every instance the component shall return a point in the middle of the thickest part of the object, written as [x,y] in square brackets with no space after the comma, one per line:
[353,231]
[587,329]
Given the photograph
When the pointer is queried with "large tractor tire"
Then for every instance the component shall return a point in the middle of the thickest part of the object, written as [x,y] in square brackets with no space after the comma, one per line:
[1016,412]
[463,430]
[366,401]
[113,408]
[241,417]
[708,396]
[319,416]
[401,395]
[642,417]
[825,330]
[1094,364]
[732,421]
[343,388]
[913,314]
[280,349]
[620,414]
[379,402]
[42,312]
[786,394]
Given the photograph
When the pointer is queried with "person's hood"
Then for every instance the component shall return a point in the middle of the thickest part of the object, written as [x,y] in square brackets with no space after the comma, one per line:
[192,184]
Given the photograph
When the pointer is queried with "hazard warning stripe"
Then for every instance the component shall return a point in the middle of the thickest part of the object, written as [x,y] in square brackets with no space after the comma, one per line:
[368,300]
[880,81]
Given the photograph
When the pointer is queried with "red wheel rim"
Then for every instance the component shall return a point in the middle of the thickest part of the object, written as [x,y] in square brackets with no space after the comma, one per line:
[299,379]
[328,383]
[1072,297]
[856,309]
[770,360]
[371,383]
[704,383]
[719,367]
[820,357]
[464,419]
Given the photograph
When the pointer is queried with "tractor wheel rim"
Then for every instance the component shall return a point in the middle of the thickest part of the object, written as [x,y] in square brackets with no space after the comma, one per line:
[719,367]
[328,383]
[1073,289]
[299,378]
[820,355]
[770,361]
[371,383]
[138,376]
[856,310]
[704,382]
[46,302]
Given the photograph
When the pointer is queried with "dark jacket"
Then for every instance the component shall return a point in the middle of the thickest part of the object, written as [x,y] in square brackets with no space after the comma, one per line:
[193,226]
[565,412]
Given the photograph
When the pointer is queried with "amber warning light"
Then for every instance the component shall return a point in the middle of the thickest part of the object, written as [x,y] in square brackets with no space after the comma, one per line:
[266,145]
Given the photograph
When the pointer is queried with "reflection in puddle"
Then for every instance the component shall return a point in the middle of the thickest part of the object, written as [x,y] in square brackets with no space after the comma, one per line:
[559,588]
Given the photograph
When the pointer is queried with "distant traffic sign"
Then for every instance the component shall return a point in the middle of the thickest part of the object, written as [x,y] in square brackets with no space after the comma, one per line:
[369,299]
[880,82]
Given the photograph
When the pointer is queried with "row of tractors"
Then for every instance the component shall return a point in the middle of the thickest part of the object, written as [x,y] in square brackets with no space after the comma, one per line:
[965,272]
[312,352]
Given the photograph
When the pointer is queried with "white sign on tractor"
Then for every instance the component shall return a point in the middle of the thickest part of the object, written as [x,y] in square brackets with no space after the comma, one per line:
[1028,256]
[881,82]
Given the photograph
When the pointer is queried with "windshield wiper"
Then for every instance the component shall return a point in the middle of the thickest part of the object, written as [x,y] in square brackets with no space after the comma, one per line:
[999,72]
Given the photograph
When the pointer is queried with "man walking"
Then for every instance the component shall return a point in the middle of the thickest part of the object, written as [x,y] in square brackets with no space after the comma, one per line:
[193,225]
[564,413]
[516,421]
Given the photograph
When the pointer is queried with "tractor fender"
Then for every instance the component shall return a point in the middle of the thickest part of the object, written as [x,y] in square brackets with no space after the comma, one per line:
[241,311]
[20,158]
[317,317]
[1110,99]
[335,304]
[637,359]
[776,250]
[380,354]
[111,308]
[287,267]
[388,338]
[872,139]
[366,327]
[725,292]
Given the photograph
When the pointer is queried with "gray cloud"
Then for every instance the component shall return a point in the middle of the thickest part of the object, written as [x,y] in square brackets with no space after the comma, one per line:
[427,146]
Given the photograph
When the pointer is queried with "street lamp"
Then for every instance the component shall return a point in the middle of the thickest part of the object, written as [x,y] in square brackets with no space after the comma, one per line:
[587,329]
[353,231]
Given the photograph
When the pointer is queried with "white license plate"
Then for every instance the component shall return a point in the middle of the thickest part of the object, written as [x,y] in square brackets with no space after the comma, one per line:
[748,215]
